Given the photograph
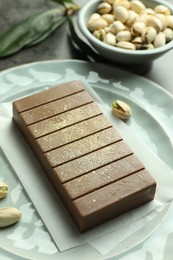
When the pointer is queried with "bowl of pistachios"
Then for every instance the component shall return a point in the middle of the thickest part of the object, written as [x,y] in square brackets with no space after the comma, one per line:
[132,32]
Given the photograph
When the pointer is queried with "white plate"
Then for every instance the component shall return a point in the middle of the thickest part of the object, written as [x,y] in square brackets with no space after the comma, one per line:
[152,121]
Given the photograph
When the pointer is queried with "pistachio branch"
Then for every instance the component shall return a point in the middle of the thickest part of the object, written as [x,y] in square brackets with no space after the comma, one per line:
[35,28]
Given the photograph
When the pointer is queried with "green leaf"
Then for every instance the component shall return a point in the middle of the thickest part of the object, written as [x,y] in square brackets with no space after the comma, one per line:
[62,2]
[31,31]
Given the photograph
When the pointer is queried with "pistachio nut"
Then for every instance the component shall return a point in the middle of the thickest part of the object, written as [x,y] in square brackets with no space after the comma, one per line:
[168,34]
[154,22]
[132,16]
[170,21]
[9,216]
[126,4]
[120,13]
[126,45]
[3,189]
[121,109]
[104,8]
[148,11]
[117,26]
[109,1]
[137,28]
[137,41]
[142,17]
[99,34]
[117,2]
[109,18]
[107,29]
[124,36]
[163,19]
[97,24]
[149,34]
[148,46]
[93,17]
[137,6]
[162,9]
[110,39]
[160,40]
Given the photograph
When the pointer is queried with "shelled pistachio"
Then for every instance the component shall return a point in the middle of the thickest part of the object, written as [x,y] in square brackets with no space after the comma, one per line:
[128,20]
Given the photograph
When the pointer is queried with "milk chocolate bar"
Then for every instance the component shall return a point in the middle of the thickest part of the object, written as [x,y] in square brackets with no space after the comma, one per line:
[93,170]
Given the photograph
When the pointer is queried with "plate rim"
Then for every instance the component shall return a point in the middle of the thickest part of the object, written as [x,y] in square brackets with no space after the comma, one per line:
[19,67]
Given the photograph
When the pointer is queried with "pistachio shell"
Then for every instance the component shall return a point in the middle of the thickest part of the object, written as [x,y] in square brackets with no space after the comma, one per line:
[154,22]
[117,26]
[97,24]
[120,13]
[148,11]
[170,21]
[137,41]
[126,45]
[148,46]
[142,17]
[110,39]
[99,34]
[125,4]
[137,28]
[160,40]
[109,1]
[94,16]
[107,29]
[162,9]
[149,34]
[168,34]
[104,8]
[163,19]
[124,36]
[109,18]
[132,16]
[137,6]
[121,109]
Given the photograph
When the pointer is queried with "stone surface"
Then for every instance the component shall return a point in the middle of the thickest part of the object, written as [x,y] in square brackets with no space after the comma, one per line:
[56,46]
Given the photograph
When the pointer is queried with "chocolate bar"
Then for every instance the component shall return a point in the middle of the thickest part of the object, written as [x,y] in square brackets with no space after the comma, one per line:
[93,170]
